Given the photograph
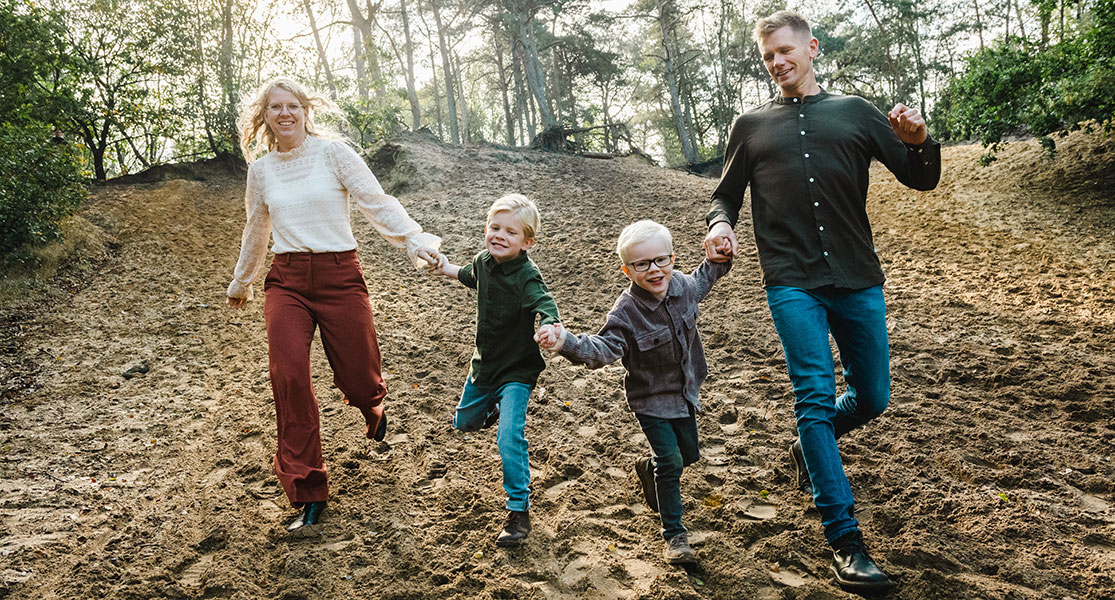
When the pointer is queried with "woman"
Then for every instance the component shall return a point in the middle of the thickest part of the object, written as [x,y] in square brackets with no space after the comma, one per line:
[299,191]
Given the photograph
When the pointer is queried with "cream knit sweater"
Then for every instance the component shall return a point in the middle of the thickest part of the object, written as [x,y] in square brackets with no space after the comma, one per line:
[302,198]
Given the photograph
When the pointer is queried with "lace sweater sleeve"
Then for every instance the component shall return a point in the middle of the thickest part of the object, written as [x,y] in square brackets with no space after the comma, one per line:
[253,242]
[384,211]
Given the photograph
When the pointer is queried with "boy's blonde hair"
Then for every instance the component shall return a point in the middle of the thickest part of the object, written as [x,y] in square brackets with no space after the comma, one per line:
[641,231]
[523,209]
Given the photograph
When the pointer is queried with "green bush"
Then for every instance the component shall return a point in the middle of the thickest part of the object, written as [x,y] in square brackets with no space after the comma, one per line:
[40,184]
[1013,88]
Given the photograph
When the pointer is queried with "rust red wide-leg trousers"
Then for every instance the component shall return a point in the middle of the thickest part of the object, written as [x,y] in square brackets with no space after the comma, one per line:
[303,291]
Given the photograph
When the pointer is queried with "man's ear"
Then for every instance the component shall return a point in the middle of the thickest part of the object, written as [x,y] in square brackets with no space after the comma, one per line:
[814,48]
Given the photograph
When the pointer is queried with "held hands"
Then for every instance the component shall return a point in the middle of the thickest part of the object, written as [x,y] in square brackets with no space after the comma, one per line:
[431,258]
[551,337]
[908,124]
[236,303]
[438,264]
[721,244]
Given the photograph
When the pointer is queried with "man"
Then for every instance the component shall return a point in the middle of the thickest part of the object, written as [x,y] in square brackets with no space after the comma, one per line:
[805,155]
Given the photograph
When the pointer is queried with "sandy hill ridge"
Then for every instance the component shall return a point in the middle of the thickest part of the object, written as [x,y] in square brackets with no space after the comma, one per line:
[136,449]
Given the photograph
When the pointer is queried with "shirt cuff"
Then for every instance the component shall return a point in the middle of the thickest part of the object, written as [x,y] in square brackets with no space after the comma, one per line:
[419,241]
[239,290]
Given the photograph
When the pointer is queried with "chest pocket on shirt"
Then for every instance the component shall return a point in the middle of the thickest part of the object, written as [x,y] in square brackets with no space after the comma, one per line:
[655,348]
[689,322]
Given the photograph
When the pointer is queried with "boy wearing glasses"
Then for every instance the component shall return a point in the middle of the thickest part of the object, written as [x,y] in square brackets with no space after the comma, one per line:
[506,363]
[652,329]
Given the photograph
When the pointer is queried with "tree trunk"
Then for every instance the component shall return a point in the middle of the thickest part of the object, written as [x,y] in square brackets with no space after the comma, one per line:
[447,71]
[536,78]
[556,84]
[466,131]
[367,65]
[131,144]
[665,26]
[979,23]
[321,51]
[358,60]
[412,93]
[501,73]
[229,88]
[202,103]
[1021,22]
[521,101]
[886,39]
[437,97]
[97,143]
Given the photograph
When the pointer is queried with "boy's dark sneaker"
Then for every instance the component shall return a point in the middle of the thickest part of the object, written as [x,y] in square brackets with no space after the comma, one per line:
[645,471]
[801,474]
[853,567]
[678,551]
[492,417]
[515,529]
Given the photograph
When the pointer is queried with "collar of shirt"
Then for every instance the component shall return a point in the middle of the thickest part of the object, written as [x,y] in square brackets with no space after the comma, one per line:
[648,300]
[806,100]
[505,267]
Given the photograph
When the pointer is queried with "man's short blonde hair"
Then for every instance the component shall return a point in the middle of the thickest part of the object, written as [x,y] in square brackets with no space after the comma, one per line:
[641,231]
[523,209]
[783,18]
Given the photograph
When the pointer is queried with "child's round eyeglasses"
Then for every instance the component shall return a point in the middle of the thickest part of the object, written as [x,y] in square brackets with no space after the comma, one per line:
[659,261]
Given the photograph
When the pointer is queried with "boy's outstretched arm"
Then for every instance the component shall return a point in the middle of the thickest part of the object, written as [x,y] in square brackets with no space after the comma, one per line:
[594,350]
[707,275]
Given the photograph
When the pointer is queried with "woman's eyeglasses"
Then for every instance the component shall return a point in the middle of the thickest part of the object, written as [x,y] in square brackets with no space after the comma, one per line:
[278,108]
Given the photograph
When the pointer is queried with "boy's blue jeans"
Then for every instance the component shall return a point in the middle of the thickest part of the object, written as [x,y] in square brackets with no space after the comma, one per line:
[674,444]
[857,321]
[476,403]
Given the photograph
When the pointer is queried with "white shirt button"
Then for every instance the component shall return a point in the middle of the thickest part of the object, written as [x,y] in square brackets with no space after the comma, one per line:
[803,133]
[806,155]
[826,253]
[795,100]
[822,228]
[816,204]
[810,180]
[801,115]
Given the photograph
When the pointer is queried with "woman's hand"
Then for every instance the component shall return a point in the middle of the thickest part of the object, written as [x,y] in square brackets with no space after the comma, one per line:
[236,303]
[430,256]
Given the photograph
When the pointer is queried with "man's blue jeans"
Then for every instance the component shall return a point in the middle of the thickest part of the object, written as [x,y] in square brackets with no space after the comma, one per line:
[857,321]
[476,403]
[674,444]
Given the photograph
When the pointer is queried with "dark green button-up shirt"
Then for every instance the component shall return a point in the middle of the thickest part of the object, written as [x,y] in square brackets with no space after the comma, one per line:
[807,161]
[509,295]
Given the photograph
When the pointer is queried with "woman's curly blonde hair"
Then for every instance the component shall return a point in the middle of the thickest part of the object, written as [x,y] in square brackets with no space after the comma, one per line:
[256,138]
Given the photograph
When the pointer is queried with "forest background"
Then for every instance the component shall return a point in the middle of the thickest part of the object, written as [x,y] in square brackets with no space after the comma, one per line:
[136,83]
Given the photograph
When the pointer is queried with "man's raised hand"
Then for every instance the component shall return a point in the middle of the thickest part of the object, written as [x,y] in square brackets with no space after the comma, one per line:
[908,124]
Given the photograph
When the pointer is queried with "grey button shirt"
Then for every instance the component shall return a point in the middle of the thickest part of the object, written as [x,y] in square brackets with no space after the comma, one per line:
[657,341]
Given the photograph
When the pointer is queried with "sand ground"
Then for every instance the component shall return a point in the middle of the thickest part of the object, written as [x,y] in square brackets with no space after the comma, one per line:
[137,427]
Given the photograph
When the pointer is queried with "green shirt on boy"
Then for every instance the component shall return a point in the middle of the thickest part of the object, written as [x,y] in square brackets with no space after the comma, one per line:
[509,295]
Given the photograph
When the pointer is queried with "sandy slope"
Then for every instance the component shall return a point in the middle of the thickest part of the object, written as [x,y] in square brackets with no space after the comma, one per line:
[991,475]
